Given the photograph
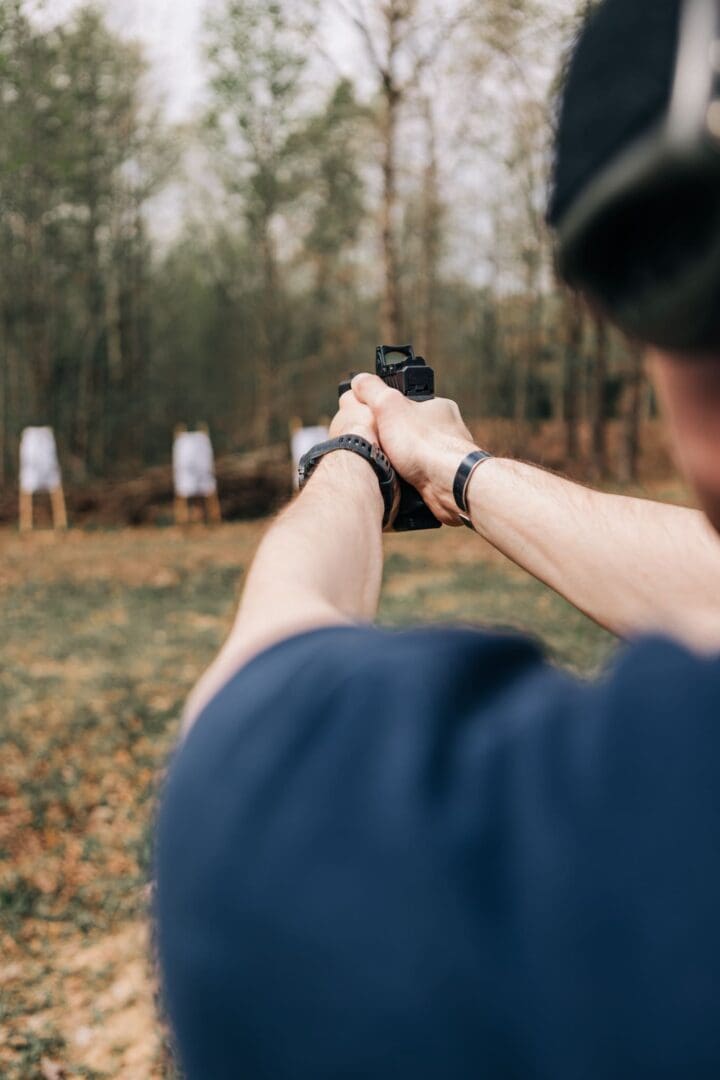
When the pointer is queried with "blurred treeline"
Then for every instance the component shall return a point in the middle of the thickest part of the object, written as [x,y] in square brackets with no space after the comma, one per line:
[357,171]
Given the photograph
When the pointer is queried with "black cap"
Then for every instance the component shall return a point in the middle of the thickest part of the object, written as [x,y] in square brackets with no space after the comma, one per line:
[636,183]
[618,85]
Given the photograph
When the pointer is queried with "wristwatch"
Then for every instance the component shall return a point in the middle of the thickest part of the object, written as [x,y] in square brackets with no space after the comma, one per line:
[389,486]
[462,482]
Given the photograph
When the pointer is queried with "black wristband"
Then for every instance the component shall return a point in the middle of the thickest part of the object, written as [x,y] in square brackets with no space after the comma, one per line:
[389,486]
[462,482]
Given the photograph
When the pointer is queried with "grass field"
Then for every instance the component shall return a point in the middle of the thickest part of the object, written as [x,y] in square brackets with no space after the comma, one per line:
[101,637]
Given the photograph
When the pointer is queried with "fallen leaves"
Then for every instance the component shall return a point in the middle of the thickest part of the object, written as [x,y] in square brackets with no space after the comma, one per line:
[103,636]
[52,1070]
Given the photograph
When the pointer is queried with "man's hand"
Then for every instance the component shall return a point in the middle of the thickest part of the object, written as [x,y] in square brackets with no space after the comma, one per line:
[425,441]
[354,418]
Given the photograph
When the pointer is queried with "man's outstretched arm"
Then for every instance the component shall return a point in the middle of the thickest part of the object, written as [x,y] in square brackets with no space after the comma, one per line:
[319,565]
[632,565]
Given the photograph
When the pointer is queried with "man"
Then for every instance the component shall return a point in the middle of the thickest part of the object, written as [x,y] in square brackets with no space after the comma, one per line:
[431,854]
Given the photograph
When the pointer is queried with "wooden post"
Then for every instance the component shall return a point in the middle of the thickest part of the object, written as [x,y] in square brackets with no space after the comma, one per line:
[26,511]
[182,510]
[213,509]
[59,508]
[57,503]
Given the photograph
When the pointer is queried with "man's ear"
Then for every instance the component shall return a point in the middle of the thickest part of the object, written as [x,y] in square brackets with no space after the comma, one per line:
[689,391]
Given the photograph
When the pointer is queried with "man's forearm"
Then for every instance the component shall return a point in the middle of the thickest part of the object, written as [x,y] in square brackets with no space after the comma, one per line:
[323,554]
[632,565]
[319,565]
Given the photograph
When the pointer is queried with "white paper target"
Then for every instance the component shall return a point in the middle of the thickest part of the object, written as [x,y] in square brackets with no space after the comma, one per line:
[39,465]
[194,465]
[302,442]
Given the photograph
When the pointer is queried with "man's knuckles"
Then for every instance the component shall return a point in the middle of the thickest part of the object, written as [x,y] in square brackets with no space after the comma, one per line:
[374,392]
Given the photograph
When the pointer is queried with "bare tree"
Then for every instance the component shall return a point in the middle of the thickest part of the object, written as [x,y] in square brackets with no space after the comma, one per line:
[432,233]
[399,49]
[528,167]
[257,60]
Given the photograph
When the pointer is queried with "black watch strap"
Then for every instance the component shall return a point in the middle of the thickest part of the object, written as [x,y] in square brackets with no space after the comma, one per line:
[389,486]
[462,482]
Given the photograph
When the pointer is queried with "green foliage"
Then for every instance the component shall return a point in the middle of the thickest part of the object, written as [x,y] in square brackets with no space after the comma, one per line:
[205,339]
[257,63]
[78,158]
[257,60]
[332,144]
[318,193]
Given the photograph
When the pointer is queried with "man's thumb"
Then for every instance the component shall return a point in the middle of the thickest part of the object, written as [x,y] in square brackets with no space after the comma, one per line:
[372,391]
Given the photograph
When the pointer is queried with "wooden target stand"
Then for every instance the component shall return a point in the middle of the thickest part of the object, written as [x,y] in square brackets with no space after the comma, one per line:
[211,502]
[213,511]
[57,504]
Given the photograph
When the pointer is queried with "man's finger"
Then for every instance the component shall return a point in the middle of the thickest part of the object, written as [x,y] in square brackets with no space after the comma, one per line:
[373,392]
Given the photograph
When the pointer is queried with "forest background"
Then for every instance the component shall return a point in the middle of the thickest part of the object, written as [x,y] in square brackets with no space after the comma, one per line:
[339,173]
[386,182]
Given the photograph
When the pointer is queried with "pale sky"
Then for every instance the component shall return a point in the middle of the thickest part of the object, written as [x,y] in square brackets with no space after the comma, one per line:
[170,30]
[172,33]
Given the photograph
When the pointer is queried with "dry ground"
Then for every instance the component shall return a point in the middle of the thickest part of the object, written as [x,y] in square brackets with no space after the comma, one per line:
[101,636]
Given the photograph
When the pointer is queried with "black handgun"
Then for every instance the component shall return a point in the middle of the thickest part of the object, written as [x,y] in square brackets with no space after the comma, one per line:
[400,368]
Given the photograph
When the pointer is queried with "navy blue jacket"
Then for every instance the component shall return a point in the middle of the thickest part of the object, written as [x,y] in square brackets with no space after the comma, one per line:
[432,855]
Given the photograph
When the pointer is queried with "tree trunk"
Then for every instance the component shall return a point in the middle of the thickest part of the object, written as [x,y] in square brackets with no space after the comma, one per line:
[391,314]
[598,409]
[37,344]
[3,412]
[529,342]
[632,414]
[522,380]
[431,239]
[87,406]
[571,378]
[267,369]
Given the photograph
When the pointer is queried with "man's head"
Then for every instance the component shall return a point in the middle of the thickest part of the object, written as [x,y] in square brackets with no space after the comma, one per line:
[636,201]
